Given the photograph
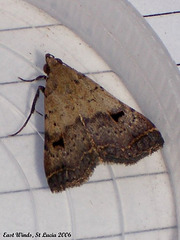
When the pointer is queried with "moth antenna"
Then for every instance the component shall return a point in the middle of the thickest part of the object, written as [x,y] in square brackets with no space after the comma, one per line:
[40,88]
[39,112]
[34,79]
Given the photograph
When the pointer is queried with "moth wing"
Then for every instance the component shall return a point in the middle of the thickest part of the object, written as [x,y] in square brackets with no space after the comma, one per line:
[70,157]
[120,138]
[120,134]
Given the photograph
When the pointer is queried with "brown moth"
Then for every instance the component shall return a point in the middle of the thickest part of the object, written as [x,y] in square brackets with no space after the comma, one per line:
[86,126]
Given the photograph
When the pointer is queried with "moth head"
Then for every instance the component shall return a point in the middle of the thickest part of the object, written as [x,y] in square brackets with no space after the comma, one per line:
[50,62]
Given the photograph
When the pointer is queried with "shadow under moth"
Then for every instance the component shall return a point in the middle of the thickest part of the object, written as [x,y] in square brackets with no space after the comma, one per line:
[86,126]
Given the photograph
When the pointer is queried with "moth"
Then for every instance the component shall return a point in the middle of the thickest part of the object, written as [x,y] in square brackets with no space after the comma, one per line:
[86,126]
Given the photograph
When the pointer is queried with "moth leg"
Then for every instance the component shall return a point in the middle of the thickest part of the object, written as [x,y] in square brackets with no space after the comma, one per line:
[40,88]
[34,79]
